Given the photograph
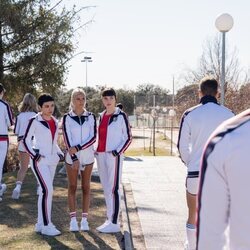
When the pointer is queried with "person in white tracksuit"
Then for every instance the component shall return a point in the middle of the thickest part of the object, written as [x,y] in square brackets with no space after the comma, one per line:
[223,199]
[79,130]
[197,124]
[45,155]
[6,120]
[27,108]
[114,137]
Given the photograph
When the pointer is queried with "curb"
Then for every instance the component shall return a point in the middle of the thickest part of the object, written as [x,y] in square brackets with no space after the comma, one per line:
[128,242]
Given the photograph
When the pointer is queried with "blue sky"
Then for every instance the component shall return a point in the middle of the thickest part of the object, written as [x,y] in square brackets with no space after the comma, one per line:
[149,41]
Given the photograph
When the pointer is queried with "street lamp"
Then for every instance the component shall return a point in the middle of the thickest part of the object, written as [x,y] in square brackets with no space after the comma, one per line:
[87,59]
[223,23]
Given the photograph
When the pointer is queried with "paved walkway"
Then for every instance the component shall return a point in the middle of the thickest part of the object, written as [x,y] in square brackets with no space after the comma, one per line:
[158,185]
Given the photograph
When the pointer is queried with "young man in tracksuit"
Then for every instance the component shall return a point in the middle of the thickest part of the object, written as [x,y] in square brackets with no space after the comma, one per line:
[197,124]
[6,120]
[79,130]
[223,199]
[45,155]
[114,137]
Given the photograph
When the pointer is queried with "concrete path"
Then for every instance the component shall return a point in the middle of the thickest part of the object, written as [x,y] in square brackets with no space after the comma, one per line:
[158,185]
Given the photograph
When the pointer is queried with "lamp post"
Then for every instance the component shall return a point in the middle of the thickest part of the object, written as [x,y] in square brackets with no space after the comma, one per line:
[87,59]
[223,23]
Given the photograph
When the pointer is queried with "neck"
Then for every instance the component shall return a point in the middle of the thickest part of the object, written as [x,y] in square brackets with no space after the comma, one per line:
[78,111]
[110,110]
[46,117]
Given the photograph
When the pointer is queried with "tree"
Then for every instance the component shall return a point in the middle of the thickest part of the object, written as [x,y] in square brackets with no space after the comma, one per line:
[35,45]
[186,97]
[145,92]
[210,64]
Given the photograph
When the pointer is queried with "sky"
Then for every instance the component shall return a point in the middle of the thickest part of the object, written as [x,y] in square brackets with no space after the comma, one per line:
[134,42]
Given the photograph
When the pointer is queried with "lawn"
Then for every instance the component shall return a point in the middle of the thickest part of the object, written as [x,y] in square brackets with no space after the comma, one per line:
[18,217]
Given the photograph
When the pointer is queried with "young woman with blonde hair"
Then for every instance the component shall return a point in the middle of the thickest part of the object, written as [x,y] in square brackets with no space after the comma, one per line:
[27,109]
[79,129]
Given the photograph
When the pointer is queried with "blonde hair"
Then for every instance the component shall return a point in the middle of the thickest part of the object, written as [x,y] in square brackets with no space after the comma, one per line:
[75,93]
[28,104]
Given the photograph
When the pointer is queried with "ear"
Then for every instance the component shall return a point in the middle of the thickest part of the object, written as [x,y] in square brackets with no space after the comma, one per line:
[200,93]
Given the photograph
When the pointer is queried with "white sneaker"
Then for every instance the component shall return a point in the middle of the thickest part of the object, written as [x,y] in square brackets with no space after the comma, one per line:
[50,230]
[186,246]
[110,228]
[103,225]
[3,189]
[38,227]
[73,227]
[84,224]
[16,193]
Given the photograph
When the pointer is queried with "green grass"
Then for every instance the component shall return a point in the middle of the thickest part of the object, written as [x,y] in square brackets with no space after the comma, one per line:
[18,217]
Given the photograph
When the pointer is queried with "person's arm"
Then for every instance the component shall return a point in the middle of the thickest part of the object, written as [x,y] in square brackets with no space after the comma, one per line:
[27,140]
[127,136]
[184,139]
[67,136]
[92,137]
[9,115]
[213,199]
[17,126]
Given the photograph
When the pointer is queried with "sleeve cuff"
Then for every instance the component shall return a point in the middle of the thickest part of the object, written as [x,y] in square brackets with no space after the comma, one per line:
[74,157]
[115,153]
[78,147]
[37,157]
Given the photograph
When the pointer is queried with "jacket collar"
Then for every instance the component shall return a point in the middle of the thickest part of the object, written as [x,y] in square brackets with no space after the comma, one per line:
[72,113]
[39,117]
[208,98]
[117,112]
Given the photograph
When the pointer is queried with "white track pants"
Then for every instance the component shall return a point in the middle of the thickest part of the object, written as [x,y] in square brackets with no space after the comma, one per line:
[45,175]
[3,153]
[110,169]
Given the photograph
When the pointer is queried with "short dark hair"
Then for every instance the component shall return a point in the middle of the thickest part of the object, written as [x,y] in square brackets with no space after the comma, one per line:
[1,88]
[209,86]
[119,105]
[108,92]
[44,98]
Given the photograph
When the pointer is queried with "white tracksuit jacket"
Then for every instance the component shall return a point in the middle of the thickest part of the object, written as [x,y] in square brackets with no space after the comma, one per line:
[6,120]
[197,124]
[43,143]
[80,132]
[224,187]
[119,134]
[21,124]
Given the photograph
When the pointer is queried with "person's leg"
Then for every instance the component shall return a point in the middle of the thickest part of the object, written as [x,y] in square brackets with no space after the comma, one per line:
[3,153]
[112,195]
[42,173]
[85,182]
[191,195]
[24,163]
[72,174]
[114,174]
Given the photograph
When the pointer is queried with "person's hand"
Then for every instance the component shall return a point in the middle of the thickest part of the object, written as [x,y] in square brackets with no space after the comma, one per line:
[72,150]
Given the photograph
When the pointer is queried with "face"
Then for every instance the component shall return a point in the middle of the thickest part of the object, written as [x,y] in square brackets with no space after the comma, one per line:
[79,101]
[109,101]
[48,109]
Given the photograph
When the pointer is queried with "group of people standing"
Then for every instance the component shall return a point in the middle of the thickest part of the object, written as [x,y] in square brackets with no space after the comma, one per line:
[37,144]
